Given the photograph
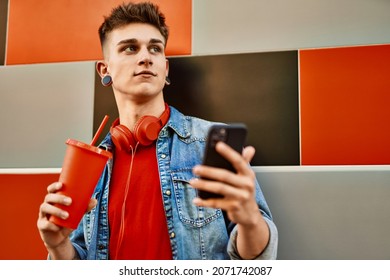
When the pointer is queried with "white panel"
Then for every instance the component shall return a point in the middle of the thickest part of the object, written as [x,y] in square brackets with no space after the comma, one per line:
[41,105]
[232,26]
[329,212]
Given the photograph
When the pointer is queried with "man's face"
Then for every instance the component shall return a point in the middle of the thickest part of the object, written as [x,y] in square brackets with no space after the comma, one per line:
[135,57]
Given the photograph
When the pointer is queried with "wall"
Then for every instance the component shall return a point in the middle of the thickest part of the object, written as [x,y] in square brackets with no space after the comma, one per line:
[252,26]
[21,193]
[329,212]
[315,72]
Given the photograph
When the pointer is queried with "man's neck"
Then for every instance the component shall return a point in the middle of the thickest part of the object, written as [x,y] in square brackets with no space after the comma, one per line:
[130,111]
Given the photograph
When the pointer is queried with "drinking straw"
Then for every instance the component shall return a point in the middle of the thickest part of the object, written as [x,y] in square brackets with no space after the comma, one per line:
[99,131]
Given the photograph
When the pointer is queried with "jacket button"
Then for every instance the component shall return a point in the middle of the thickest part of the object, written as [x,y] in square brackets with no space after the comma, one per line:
[168,192]
[100,247]
[173,235]
[163,156]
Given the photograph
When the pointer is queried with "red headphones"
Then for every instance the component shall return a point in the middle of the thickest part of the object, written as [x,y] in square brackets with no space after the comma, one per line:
[146,131]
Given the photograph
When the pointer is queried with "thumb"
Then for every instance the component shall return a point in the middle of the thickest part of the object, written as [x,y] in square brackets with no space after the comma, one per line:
[248,153]
[92,203]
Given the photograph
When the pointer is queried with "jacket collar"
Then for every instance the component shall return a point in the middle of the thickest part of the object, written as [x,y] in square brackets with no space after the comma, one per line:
[178,123]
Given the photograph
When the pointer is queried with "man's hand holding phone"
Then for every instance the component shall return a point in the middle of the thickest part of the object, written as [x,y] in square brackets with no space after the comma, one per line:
[236,195]
[235,190]
[226,180]
[234,135]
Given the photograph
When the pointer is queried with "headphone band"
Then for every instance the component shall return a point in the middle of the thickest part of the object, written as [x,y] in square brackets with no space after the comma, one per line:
[145,131]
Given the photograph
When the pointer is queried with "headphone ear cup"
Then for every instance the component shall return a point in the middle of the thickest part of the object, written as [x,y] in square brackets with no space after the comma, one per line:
[146,130]
[122,137]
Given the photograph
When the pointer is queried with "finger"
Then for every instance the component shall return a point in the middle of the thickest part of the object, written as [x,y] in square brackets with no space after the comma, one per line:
[227,191]
[237,160]
[224,204]
[45,225]
[212,173]
[52,188]
[242,181]
[46,210]
[248,153]
[54,198]
[209,186]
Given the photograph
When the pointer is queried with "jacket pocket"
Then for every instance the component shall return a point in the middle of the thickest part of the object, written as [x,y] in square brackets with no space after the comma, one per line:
[190,214]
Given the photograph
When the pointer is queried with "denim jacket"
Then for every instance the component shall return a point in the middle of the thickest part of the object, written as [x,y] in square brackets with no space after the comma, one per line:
[195,232]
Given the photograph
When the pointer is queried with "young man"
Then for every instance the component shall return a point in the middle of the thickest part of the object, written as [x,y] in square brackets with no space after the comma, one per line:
[145,205]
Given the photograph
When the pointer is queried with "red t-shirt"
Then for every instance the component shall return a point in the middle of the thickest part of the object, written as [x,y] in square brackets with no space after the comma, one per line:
[143,234]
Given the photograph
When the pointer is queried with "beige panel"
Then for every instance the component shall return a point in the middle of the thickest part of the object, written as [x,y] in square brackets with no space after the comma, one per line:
[41,106]
[329,212]
[231,26]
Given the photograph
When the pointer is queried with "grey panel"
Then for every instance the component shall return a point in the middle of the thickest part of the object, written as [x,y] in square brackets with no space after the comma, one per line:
[229,26]
[41,106]
[259,89]
[3,28]
[329,212]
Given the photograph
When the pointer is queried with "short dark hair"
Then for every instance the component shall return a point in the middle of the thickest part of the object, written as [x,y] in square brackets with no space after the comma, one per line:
[145,12]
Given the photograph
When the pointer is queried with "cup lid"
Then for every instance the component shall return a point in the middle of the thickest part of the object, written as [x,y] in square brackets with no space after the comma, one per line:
[89,147]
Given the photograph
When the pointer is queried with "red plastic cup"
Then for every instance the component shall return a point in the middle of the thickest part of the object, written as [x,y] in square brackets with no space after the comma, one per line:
[82,167]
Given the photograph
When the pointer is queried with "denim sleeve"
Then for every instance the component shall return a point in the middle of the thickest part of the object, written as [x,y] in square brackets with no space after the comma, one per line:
[78,242]
[269,253]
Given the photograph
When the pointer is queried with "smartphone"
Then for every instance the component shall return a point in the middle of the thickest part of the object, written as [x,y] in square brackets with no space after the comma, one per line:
[233,135]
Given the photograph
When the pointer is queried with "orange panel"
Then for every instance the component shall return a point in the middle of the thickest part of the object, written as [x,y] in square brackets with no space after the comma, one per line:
[62,30]
[345,101]
[21,195]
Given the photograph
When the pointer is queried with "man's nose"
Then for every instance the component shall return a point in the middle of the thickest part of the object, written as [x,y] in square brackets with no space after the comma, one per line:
[145,57]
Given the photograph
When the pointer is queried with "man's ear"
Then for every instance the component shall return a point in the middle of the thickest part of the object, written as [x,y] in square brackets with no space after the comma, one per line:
[167,66]
[101,68]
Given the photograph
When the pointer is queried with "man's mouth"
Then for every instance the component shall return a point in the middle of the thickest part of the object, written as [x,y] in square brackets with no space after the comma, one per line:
[145,72]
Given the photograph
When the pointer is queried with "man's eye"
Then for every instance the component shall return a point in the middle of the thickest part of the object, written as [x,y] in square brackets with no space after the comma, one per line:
[130,49]
[155,49]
